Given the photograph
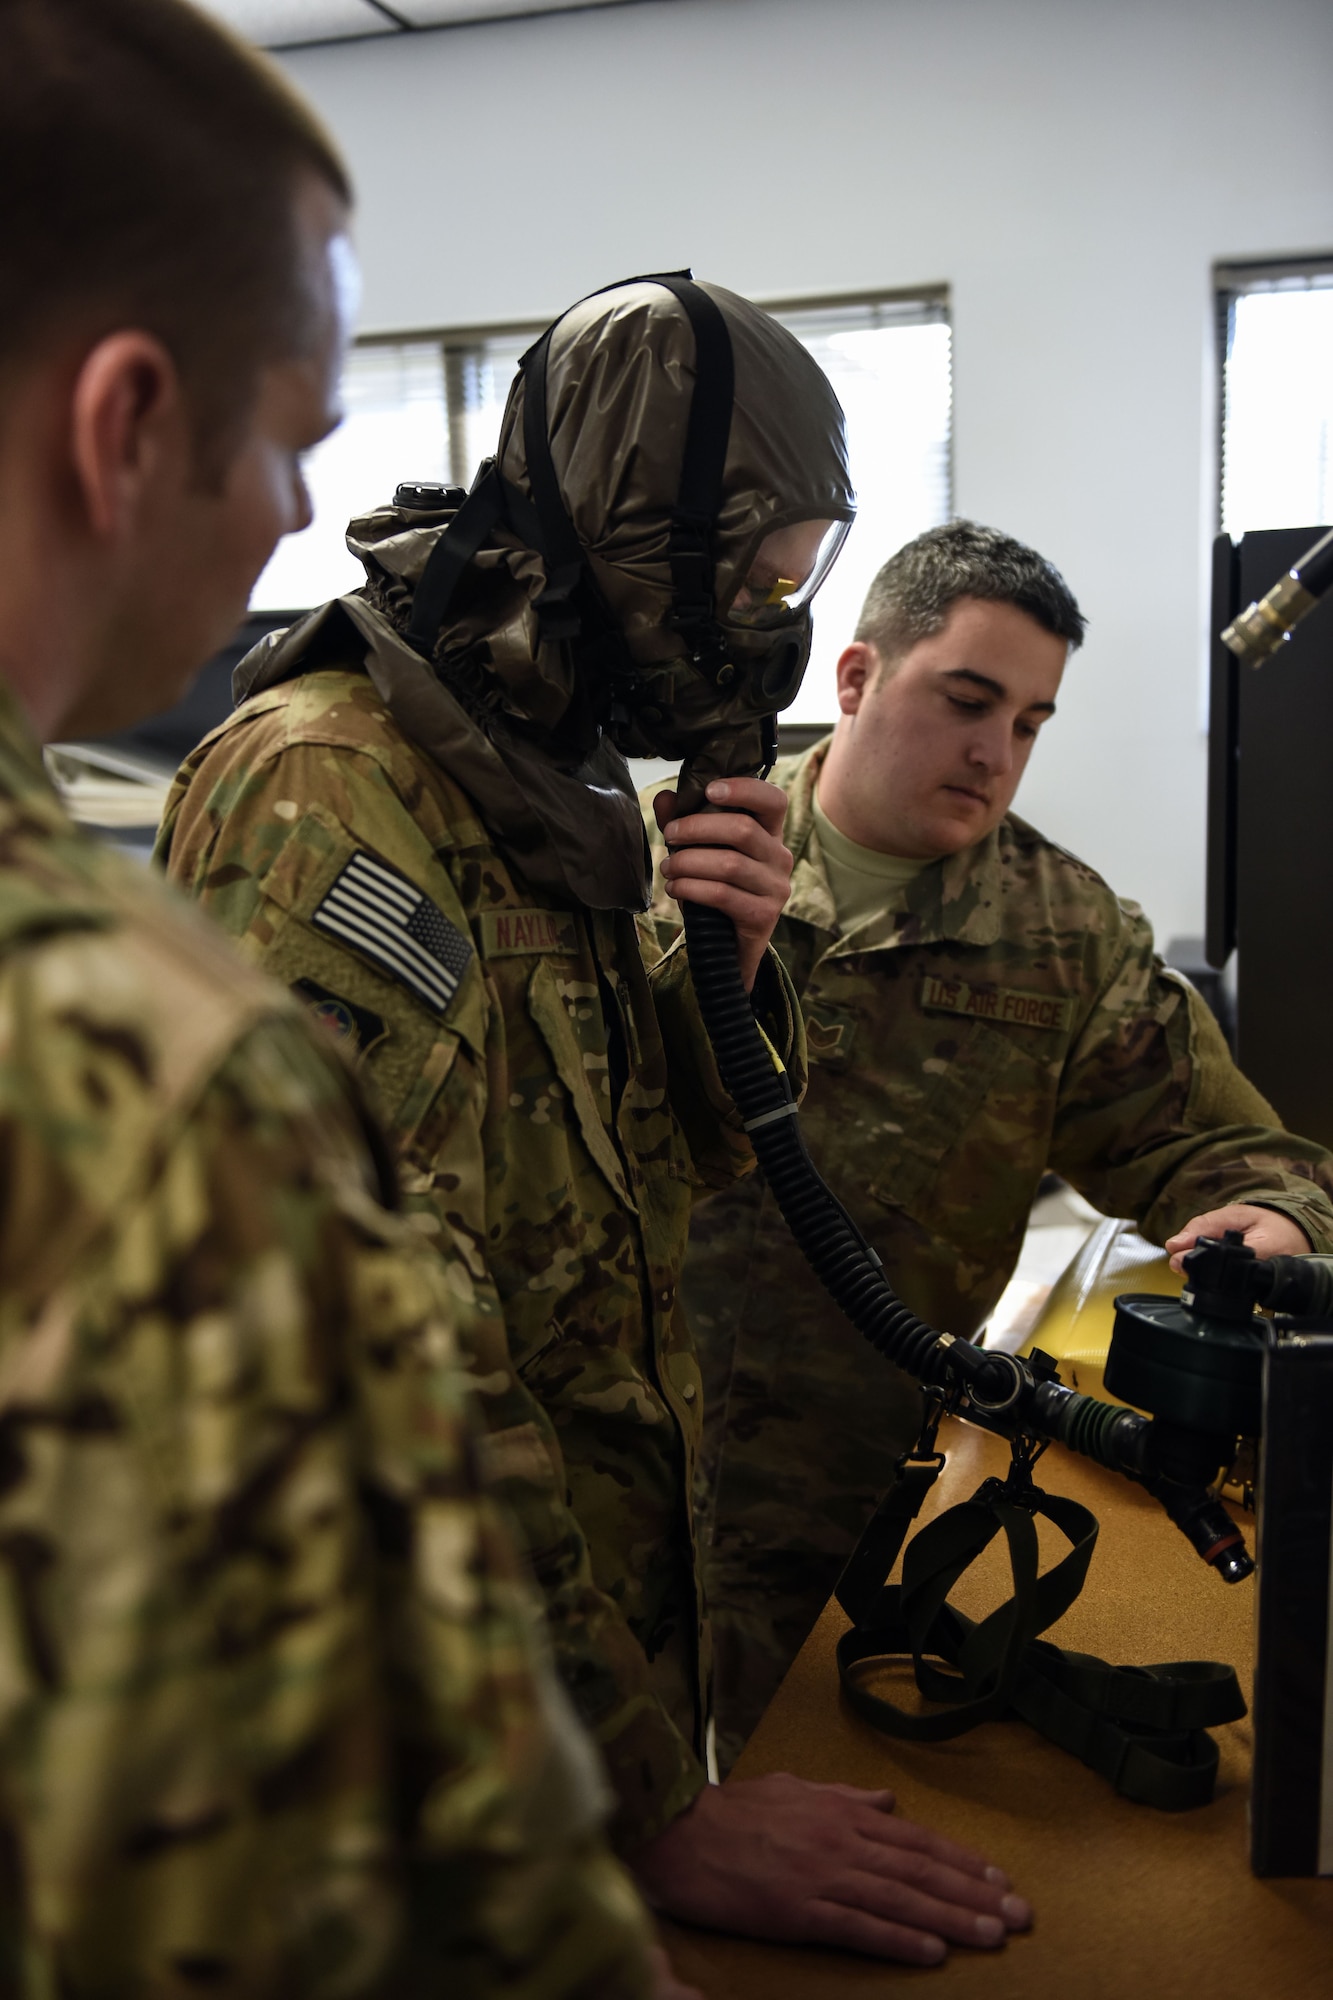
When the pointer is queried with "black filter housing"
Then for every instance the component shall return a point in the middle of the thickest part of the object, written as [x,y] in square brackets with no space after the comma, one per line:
[1201,1373]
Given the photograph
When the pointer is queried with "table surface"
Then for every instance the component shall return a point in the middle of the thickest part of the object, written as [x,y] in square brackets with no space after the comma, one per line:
[1129,1901]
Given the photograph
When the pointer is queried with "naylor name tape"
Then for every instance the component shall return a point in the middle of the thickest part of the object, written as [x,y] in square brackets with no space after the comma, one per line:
[1005,1005]
[516,933]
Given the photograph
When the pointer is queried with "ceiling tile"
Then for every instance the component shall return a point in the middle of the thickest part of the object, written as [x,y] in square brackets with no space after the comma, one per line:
[282,23]
[437,13]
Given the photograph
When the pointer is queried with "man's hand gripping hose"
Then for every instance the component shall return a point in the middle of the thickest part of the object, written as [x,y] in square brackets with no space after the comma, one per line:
[1000,1392]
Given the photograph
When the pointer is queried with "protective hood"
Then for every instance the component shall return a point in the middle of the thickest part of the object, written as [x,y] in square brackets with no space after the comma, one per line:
[685,427]
[596,586]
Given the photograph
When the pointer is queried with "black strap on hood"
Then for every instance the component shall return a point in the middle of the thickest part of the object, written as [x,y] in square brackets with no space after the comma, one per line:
[571,606]
[699,496]
[491,500]
[694,519]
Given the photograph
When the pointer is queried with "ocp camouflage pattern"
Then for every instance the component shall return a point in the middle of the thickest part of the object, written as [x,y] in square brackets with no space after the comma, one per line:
[1011,1018]
[555,1120]
[273,1718]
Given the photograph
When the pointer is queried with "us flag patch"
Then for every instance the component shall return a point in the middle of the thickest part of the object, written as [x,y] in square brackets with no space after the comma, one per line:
[379,911]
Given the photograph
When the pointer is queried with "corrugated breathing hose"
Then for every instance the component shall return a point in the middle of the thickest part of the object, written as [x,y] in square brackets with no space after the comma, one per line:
[838,1253]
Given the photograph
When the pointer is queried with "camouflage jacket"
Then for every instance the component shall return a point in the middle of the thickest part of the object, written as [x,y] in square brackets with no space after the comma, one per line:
[273,1720]
[1011,1018]
[555,1110]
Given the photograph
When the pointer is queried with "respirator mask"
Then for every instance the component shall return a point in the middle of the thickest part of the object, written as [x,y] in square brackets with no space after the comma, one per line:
[715,707]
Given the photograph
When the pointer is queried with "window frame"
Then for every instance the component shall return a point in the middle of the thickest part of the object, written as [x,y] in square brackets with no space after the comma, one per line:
[1234,278]
[457,341]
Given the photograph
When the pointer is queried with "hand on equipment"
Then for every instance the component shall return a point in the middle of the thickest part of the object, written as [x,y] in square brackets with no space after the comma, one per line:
[733,860]
[1267,1231]
[791,1862]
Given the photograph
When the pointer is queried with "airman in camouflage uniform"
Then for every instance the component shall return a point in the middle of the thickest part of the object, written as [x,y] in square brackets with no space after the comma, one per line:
[271,1714]
[567,1189]
[419,819]
[1007,1017]
[357,827]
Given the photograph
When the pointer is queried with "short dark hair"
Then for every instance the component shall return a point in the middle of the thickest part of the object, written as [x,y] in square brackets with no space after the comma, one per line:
[912,595]
[150,162]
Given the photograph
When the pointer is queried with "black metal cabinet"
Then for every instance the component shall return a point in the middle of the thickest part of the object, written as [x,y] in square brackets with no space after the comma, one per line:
[1270,836]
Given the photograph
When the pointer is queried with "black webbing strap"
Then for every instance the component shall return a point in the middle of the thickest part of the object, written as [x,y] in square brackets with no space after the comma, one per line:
[702,473]
[491,500]
[561,550]
[708,431]
[451,555]
[871,1561]
[1141,1728]
[571,598]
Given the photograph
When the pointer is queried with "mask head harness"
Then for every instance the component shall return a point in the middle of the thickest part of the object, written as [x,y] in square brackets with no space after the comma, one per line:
[571,609]
[571,597]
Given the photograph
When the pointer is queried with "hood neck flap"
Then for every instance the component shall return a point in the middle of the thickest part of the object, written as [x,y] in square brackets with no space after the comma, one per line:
[577,834]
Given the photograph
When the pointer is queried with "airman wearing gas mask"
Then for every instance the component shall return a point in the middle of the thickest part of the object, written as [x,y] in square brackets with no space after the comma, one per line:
[421,819]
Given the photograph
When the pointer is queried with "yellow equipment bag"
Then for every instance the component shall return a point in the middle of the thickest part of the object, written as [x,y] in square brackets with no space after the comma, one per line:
[1074,1325]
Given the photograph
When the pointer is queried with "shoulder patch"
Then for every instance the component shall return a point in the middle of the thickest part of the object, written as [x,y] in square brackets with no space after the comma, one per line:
[511,933]
[347,1022]
[388,919]
[1005,1005]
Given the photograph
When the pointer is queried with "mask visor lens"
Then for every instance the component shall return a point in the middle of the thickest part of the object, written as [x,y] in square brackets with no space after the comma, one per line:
[788,568]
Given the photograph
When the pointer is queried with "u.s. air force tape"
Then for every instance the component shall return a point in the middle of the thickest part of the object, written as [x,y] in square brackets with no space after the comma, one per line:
[1011,1006]
[378,911]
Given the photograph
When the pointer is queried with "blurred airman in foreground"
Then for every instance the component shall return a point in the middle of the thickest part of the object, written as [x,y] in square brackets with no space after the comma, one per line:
[274,1717]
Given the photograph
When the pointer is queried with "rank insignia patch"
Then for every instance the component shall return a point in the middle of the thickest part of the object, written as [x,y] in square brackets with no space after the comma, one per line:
[829,1033]
[361,1027]
[385,917]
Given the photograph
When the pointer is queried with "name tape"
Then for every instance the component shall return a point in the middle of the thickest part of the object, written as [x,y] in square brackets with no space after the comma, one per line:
[515,933]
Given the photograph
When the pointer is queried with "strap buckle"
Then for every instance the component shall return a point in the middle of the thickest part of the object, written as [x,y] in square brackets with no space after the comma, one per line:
[1017,1486]
[869,1566]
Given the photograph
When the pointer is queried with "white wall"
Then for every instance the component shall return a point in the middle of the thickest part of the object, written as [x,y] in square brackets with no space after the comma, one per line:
[1071,168]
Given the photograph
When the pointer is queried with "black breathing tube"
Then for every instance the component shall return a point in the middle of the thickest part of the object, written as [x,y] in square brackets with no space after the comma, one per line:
[1000,1392]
